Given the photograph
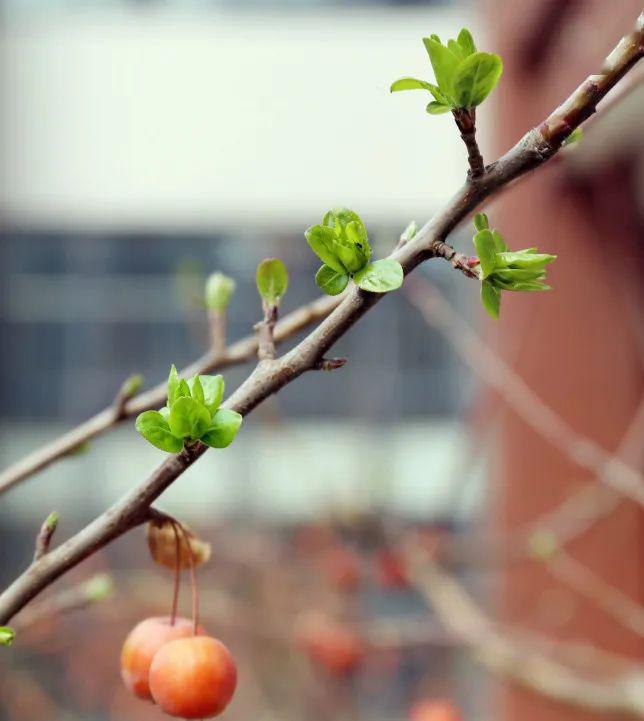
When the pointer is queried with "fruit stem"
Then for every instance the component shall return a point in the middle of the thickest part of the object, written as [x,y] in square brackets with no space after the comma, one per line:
[177,575]
[193,582]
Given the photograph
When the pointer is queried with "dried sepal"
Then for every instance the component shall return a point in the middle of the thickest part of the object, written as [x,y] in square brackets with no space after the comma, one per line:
[162,541]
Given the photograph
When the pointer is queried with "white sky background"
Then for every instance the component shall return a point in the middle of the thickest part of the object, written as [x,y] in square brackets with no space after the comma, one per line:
[121,119]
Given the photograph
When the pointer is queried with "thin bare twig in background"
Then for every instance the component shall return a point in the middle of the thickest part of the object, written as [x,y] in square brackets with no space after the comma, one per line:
[583,451]
[524,664]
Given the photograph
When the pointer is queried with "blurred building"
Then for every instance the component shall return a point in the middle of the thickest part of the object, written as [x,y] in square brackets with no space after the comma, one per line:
[144,145]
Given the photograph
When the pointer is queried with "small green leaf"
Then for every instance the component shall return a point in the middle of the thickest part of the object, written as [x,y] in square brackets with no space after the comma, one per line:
[188,419]
[6,635]
[350,242]
[322,241]
[491,298]
[131,385]
[439,96]
[219,291]
[155,429]
[481,221]
[475,79]
[457,49]
[173,384]
[525,259]
[183,390]
[574,137]
[499,244]
[196,390]
[78,450]
[330,281]
[486,252]
[409,232]
[466,41]
[529,286]
[223,429]
[381,276]
[518,274]
[436,108]
[272,280]
[409,84]
[444,63]
[213,390]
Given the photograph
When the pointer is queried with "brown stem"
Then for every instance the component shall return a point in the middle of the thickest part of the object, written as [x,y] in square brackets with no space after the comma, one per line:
[585,452]
[466,122]
[238,353]
[193,582]
[265,332]
[217,321]
[177,575]
[533,150]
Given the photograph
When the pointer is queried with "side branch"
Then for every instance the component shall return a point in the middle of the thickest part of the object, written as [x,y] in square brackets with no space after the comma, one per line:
[466,123]
[533,150]
[238,353]
[501,654]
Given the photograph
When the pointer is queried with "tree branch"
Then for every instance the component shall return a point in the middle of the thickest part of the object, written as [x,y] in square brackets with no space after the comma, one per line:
[534,149]
[506,656]
[217,321]
[585,452]
[466,122]
[238,353]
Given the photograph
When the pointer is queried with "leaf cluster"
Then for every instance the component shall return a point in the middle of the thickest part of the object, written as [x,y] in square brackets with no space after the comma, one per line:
[342,244]
[464,76]
[501,269]
[191,414]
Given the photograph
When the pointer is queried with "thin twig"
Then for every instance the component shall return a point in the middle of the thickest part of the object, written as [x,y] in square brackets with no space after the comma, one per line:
[524,664]
[95,589]
[534,149]
[580,449]
[466,122]
[583,580]
[238,353]
[218,323]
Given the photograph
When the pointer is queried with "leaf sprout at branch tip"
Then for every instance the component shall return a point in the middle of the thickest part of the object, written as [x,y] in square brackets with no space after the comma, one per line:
[192,414]
[272,280]
[464,76]
[342,244]
[500,269]
[219,291]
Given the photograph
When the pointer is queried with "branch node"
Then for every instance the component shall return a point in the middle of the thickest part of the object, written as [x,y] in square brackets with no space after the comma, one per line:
[265,336]
[330,364]
[43,539]
[459,261]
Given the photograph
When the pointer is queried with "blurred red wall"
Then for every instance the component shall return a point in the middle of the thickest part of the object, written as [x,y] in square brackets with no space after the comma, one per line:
[576,346]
